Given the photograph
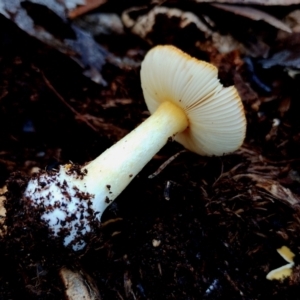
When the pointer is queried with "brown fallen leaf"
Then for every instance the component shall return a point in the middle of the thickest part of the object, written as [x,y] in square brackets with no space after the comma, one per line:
[274,188]
[254,14]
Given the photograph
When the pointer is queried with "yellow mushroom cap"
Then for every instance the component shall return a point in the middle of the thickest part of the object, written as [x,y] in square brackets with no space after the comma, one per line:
[217,122]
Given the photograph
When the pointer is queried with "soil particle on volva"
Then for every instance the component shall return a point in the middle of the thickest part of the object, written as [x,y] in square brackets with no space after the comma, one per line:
[218,233]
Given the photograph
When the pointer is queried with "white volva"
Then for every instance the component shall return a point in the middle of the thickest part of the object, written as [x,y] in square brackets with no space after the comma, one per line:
[187,103]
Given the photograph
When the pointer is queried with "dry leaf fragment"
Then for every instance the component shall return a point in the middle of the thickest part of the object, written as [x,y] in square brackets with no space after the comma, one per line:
[254,14]
[3,190]
[293,20]
[144,24]
[79,285]
[81,47]
[162,25]
[274,188]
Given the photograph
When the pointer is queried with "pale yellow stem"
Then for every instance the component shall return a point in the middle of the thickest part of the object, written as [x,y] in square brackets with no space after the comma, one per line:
[113,170]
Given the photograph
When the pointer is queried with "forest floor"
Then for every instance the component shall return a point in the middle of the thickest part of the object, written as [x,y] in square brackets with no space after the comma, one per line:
[204,227]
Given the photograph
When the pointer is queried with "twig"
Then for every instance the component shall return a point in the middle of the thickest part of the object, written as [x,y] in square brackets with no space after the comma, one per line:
[165,164]
[229,173]
[90,5]
[233,284]
[58,95]
[221,175]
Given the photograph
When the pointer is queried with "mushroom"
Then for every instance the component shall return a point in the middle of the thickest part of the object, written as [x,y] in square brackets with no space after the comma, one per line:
[187,103]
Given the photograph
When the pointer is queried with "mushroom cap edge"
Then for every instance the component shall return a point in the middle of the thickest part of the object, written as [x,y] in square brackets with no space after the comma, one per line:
[217,123]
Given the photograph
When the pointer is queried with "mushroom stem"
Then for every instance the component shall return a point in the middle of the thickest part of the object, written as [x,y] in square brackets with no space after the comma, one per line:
[71,200]
[116,167]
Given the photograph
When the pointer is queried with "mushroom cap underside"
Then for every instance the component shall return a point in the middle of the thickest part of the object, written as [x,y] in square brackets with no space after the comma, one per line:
[217,122]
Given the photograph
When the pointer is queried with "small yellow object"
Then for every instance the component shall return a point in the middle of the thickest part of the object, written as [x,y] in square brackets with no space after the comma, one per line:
[286,254]
[286,270]
[68,166]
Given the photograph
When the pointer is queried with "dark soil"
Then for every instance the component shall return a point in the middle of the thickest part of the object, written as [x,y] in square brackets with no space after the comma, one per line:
[217,228]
